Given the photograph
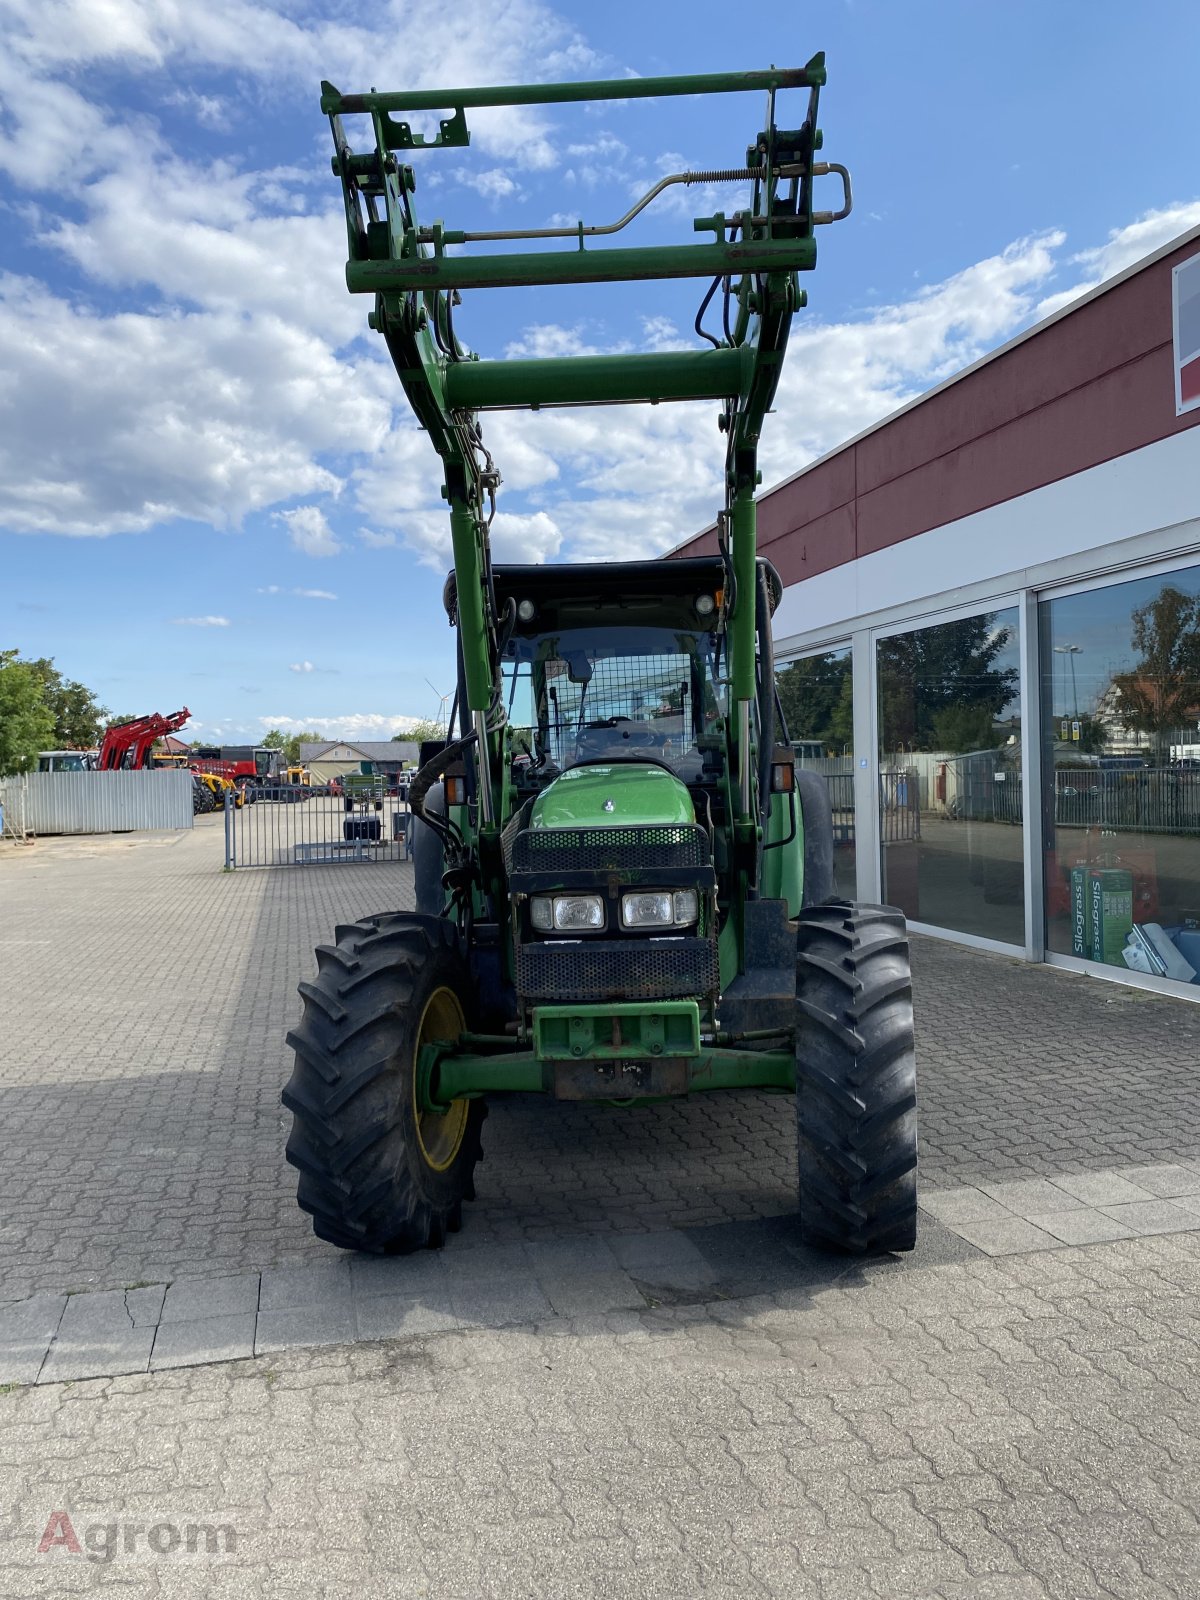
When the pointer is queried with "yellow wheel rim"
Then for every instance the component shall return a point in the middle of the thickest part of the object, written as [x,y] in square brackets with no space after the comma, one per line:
[440,1134]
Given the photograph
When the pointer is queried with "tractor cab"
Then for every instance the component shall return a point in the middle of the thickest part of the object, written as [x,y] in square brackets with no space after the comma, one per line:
[618,664]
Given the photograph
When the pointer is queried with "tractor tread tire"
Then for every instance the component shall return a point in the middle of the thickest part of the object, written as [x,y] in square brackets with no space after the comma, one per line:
[816,816]
[363,1178]
[856,1087]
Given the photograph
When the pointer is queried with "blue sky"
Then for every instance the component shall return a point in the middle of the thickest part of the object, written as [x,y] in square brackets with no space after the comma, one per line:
[210,491]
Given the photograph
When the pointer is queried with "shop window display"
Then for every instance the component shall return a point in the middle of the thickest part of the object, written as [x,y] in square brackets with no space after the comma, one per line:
[1120,668]
[952,835]
[816,694]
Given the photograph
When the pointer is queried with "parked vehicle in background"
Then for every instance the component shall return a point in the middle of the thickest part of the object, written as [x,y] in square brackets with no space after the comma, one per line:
[66,760]
[128,745]
[242,763]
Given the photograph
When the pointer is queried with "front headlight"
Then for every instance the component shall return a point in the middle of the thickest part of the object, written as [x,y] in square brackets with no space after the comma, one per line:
[660,908]
[566,913]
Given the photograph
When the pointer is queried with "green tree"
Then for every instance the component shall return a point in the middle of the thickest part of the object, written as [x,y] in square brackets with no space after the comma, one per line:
[288,744]
[812,692]
[26,721]
[79,718]
[1162,692]
[940,688]
[420,730]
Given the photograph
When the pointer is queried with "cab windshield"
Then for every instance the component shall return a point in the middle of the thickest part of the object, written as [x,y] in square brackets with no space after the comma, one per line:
[623,693]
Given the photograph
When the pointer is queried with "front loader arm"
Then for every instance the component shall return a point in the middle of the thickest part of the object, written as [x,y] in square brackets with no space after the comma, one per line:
[753,259]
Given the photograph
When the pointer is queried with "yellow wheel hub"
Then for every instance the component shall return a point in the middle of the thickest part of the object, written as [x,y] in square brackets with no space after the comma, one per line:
[440,1134]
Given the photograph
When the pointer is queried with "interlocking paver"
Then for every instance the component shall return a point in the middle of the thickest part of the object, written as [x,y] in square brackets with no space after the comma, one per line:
[191,1344]
[322,1282]
[192,1299]
[1102,1188]
[1025,1196]
[1165,1181]
[396,1316]
[999,1416]
[303,1326]
[968,1204]
[494,1305]
[138,1152]
[1083,1226]
[97,1334]
[848,1446]
[1010,1236]
[1152,1216]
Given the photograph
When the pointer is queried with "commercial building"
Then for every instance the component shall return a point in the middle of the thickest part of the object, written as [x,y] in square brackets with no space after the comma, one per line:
[330,758]
[989,638]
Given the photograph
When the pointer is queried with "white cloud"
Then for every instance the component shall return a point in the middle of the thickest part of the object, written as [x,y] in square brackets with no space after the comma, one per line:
[291,53]
[309,531]
[494,184]
[207,109]
[377,541]
[201,622]
[351,725]
[1122,248]
[301,666]
[303,594]
[546,339]
[120,423]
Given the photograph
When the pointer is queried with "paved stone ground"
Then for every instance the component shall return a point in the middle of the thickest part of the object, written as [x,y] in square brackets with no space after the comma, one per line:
[1010,1429]
[958,1425]
[142,1055]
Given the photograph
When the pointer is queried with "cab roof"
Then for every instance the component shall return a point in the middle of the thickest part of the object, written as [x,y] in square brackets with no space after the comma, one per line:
[579,587]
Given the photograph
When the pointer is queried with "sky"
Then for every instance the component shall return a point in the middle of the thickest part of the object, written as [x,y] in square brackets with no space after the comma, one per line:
[211,492]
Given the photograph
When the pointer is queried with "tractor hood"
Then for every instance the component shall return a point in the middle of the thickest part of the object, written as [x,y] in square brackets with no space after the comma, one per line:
[625,794]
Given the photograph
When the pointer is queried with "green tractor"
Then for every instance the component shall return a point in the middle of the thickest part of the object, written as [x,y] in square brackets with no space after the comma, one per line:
[625,888]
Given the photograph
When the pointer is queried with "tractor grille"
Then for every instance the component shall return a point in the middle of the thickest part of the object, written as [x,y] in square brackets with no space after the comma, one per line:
[608,849]
[618,969]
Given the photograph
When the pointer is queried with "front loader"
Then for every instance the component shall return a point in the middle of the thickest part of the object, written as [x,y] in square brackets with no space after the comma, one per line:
[624,886]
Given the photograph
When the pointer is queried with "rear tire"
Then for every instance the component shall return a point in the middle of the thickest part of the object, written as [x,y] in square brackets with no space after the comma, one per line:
[816,813]
[856,1084]
[377,1174]
[428,857]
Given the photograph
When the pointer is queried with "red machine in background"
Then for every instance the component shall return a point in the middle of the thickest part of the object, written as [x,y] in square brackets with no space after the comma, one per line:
[128,744]
[243,764]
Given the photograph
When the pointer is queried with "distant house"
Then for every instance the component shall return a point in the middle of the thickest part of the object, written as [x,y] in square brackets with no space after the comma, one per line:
[331,758]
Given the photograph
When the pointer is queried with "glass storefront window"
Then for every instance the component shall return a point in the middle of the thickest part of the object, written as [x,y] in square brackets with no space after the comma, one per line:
[817,696]
[952,835]
[1120,669]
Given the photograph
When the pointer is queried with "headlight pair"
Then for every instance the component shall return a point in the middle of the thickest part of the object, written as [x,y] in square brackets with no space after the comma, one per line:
[645,908]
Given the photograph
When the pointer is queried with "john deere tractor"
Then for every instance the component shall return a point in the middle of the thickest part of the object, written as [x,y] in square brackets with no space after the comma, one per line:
[624,887]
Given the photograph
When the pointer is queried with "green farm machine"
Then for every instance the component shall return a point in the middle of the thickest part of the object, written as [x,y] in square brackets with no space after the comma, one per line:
[624,886]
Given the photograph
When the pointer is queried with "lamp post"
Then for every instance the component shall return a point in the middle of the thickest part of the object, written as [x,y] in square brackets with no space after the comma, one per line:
[1071,650]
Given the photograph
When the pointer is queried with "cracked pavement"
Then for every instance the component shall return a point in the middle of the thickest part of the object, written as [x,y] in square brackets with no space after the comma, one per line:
[956,1425]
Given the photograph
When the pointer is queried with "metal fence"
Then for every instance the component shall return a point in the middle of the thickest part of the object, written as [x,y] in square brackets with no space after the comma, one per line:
[296,827]
[1153,800]
[899,799]
[95,802]
[899,805]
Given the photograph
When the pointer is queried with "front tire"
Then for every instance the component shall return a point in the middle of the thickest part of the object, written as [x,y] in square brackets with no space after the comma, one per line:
[856,1084]
[376,1172]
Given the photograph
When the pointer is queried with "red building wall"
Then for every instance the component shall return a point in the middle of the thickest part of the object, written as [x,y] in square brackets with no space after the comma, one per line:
[1095,384]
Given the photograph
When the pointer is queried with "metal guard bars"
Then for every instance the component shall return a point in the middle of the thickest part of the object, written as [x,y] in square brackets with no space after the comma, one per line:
[753,256]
